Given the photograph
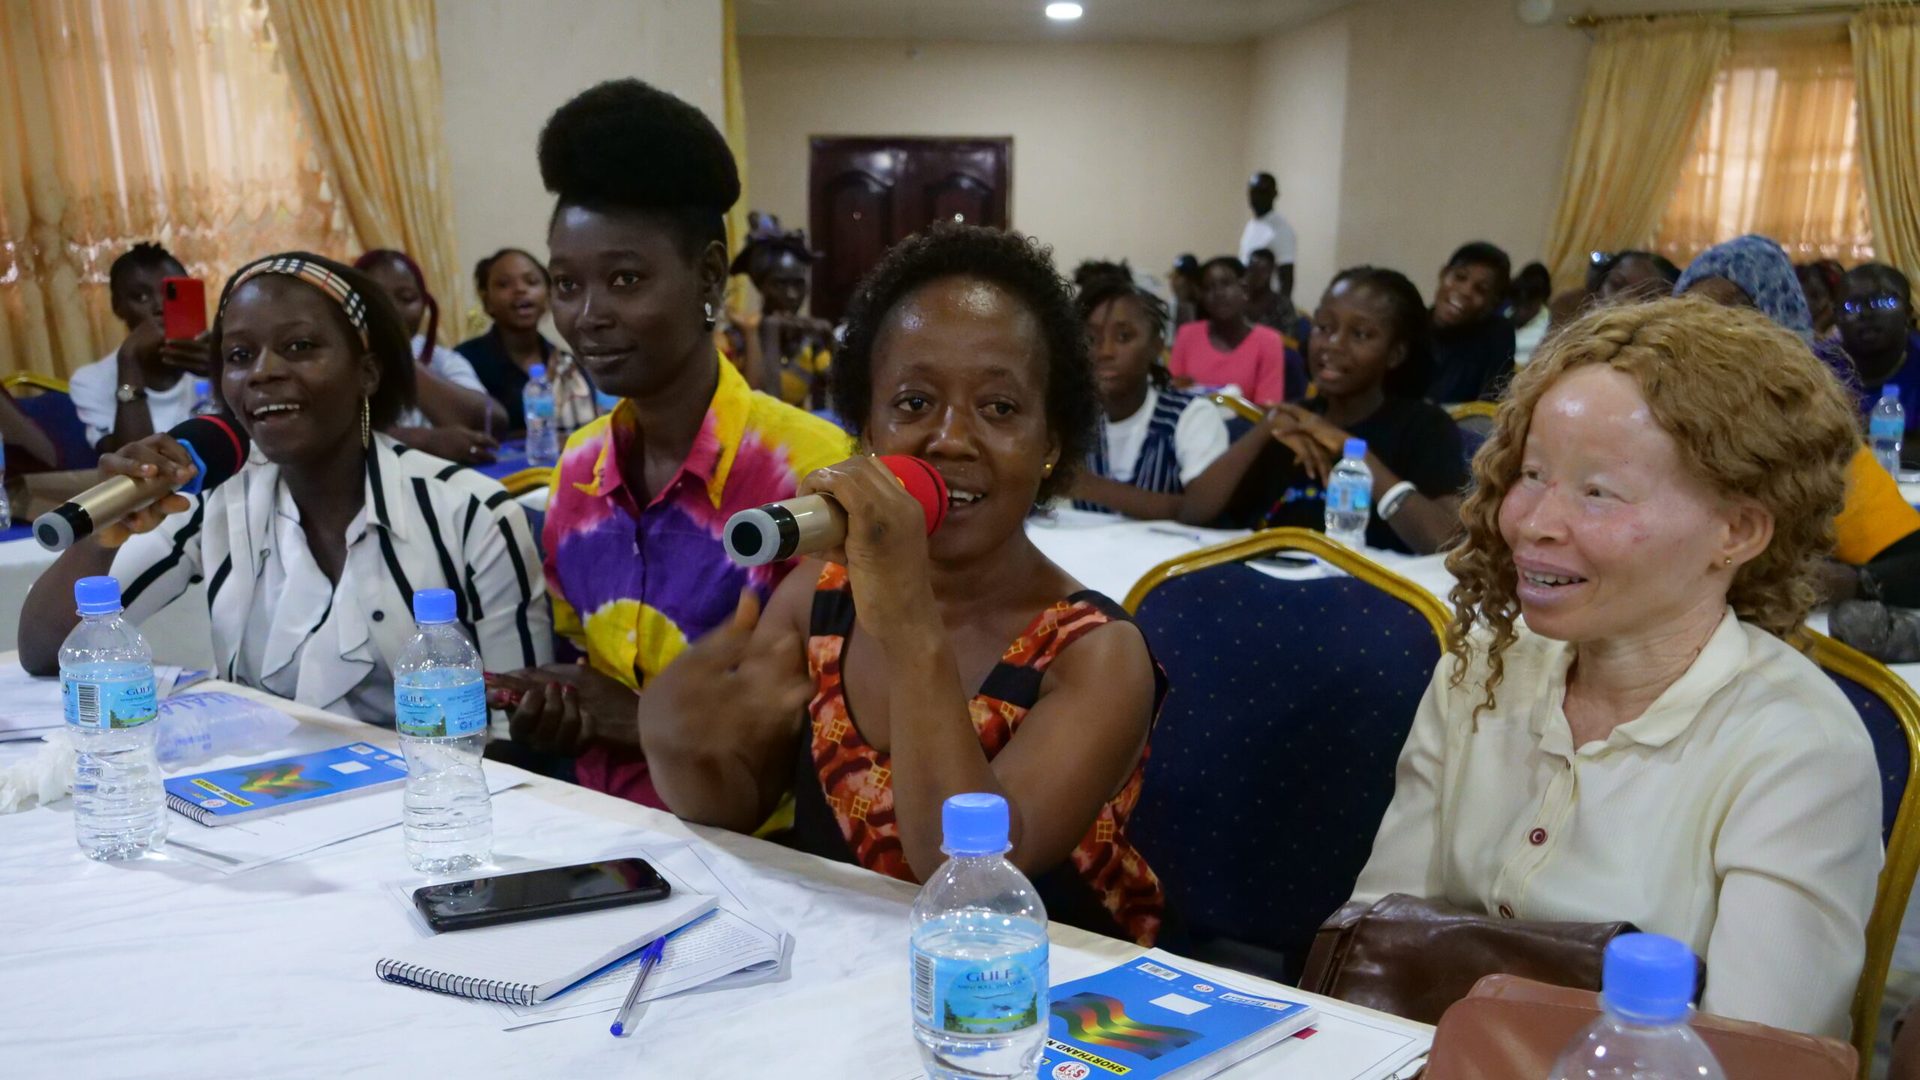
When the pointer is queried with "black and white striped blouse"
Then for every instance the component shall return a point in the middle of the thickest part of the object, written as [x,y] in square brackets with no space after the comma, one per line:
[280,625]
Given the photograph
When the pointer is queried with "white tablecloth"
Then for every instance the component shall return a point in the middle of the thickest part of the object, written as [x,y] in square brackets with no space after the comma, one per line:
[161,968]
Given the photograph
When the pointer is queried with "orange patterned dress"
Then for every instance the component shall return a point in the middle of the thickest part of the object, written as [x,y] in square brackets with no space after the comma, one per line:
[843,791]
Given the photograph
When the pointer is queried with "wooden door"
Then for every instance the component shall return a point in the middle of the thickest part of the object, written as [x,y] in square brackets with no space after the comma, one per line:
[866,194]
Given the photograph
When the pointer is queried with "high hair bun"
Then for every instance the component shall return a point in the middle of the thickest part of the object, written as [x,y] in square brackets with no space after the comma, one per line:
[626,144]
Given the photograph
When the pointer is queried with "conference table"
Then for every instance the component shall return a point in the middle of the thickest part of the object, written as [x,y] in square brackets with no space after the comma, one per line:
[161,967]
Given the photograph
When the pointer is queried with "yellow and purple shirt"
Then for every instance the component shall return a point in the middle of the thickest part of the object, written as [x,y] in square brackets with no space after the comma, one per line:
[633,584]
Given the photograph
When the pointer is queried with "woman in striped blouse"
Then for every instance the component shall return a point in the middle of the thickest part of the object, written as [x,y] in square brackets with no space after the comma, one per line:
[312,551]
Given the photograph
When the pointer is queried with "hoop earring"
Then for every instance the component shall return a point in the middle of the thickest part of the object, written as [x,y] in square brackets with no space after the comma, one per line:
[366,424]
[708,309]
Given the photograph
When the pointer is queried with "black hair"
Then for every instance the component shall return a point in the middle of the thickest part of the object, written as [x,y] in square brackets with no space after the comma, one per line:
[626,146]
[142,256]
[1532,282]
[1186,265]
[485,267]
[386,338]
[1481,253]
[1601,263]
[1091,270]
[1886,276]
[1230,262]
[1013,262]
[1103,290]
[1411,324]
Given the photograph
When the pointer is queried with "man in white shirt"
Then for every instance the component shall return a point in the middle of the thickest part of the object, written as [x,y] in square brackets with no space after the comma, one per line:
[146,385]
[1269,231]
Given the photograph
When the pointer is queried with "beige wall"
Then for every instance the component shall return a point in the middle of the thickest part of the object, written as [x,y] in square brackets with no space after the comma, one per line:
[1297,130]
[1119,150]
[505,65]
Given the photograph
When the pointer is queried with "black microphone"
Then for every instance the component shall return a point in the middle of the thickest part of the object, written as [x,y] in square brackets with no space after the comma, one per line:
[218,448]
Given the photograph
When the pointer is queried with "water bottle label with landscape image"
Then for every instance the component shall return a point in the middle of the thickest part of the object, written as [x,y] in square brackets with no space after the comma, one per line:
[116,704]
[1000,996]
[434,712]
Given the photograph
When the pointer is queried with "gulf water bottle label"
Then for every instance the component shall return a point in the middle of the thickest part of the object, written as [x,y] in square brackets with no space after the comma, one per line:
[109,704]
[434,712]
[541,407]
[1349,497]
[1001,996]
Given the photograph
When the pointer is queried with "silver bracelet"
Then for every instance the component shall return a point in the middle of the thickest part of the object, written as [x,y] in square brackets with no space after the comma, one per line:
[1389,503]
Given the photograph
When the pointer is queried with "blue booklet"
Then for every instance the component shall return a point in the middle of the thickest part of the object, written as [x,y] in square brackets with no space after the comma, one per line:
[1148,1020]
[223,796]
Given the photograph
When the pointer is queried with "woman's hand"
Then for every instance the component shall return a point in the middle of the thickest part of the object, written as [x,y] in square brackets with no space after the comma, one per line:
[152,457]
[192,355]
[886,547]
[461,444]
[567,707]
[1309,436]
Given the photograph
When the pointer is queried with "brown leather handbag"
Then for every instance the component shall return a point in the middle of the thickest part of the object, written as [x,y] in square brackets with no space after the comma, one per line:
[1514,1029]
[1413,958]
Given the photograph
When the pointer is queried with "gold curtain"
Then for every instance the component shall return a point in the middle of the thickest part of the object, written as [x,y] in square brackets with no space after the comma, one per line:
[165,120]
[1774,153]
[1886,60]
[735,125]
[1645,85]
[368,74]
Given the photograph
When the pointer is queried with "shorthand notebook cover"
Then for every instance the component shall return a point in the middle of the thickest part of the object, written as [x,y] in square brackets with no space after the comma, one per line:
[222,796]
[1147,1020]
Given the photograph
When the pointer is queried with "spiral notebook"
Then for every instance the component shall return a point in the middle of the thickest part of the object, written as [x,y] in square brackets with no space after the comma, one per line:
[527,963]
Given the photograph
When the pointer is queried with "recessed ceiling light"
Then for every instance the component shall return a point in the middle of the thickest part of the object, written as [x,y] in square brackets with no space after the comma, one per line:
[1064,11]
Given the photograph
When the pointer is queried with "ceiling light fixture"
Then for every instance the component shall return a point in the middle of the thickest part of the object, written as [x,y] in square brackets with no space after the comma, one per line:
[1064,11]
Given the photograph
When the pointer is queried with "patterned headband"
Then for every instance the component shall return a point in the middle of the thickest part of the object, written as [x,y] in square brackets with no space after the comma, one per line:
[333,285]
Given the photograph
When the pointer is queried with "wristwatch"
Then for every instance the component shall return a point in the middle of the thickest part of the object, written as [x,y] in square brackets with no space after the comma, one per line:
[129,393]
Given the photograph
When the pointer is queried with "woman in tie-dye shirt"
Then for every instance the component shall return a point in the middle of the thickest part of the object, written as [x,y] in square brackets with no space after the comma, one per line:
[634,561]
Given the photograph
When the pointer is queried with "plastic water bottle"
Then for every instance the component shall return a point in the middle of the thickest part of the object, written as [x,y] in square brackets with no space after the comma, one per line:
[203,403]
[1350,496]
[440,708]
[6,504]
[979,953]
[1887,429]
[106,687]
[543,439]
[1646,982]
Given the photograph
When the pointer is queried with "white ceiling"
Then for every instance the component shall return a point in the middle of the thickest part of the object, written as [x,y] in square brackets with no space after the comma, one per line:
[1022,20]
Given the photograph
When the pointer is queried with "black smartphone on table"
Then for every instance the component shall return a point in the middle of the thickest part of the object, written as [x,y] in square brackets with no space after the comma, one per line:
[536,894]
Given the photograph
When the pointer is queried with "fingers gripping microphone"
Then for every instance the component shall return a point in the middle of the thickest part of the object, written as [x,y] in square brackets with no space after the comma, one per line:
[808,523]
[218,449]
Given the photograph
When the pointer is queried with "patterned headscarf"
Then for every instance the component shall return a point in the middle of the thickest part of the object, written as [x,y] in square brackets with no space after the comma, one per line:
[1762,270]
[352,304]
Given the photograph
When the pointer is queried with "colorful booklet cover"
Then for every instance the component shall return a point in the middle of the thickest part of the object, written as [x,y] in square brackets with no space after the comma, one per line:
[1147,1020]
[222,796]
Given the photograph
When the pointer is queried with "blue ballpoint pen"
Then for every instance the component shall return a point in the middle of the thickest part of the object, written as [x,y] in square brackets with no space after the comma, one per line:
[649,956]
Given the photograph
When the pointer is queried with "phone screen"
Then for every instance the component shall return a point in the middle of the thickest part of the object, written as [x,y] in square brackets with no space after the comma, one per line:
[510,897]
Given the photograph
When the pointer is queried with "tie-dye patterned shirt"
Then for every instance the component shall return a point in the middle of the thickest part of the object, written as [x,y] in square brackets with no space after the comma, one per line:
[633,584]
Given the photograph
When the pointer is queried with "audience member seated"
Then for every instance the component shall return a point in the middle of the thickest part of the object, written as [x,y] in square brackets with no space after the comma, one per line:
[1184,280]
[146,385]
[1824,283]
[634,562]
[1227,348]
[1876,540]
[1473,347]
[1527,310]
[513,289]
[1647,747]
[1369,351]
[453,415]
[977,663]
[1268,307]
[1632,276]
[28,449]
[1876,329]
[1156,444]
[312,551]
[782,352]
[1754,271]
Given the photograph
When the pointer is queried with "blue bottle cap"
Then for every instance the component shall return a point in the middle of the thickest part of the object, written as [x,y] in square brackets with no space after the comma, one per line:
[1647,978]
[974,824]
[97,595]
[1356,449]
[432,606]
[1889,392]
[537,371]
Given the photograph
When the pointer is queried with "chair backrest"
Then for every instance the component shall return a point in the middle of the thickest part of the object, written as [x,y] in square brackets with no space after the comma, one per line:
[52,409]
[1890,710]
[519,483]
[1273,760]
[1475,421]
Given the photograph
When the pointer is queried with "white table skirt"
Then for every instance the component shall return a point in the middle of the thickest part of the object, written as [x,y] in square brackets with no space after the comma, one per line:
[161,968]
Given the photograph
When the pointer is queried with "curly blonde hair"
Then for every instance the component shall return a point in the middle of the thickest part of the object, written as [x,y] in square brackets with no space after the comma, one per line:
[1755,414]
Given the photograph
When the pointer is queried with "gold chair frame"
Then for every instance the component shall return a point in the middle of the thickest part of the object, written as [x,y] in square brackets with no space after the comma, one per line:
[35,380]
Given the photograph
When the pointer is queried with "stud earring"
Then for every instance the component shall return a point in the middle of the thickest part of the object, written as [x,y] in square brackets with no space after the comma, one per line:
[1728,560]
[1047,470]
